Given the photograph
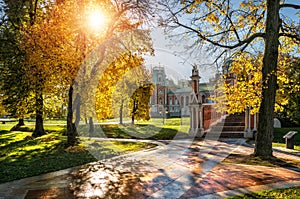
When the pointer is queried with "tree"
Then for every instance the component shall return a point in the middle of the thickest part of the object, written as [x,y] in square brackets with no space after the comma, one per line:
[139,102]
[130,90]
[40,70]
[241,28]
[288,95]
[117,84]
[108,81]
[16,92]
[15,84]
[241,84]
[67,43]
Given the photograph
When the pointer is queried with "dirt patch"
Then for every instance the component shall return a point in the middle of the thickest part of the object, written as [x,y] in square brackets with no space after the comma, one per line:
[251,160]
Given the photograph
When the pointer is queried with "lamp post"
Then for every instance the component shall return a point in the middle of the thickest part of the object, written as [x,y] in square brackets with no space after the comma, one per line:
[160,113]
[166,113]
[163,112]
[180,112]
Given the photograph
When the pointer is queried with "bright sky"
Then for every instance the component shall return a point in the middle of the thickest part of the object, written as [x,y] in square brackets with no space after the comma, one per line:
[178,65]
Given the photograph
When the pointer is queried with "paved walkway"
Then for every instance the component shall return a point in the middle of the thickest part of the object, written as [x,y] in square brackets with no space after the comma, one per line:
[175,169]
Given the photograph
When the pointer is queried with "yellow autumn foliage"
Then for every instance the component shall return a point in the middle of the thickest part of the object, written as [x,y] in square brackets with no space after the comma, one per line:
[244,90]
[115,84]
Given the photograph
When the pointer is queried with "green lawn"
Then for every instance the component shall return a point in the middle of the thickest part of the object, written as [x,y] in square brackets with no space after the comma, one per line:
[280,132]
[21,156]
[153,129]
[289,193]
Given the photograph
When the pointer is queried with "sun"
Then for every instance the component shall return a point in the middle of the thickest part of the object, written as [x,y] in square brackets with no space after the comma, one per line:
[97,20]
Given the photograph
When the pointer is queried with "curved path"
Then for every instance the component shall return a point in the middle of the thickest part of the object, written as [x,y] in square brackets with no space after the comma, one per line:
[175,169]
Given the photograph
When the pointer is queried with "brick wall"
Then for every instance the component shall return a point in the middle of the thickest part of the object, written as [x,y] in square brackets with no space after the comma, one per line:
[210,115]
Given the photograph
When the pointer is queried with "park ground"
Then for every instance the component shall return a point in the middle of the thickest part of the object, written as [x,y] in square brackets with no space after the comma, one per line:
[162,162]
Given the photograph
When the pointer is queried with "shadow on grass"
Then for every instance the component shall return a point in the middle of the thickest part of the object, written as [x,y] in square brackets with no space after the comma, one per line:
[29,157]
[6,139]
[48,129]
[21,157]
[9,140]
[250,195]
[139,131]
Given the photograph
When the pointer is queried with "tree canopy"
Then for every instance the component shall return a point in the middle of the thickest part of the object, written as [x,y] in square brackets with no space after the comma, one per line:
[56,40]
[288,94]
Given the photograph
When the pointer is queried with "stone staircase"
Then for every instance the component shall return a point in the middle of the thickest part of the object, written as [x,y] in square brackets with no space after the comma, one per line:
[232,126]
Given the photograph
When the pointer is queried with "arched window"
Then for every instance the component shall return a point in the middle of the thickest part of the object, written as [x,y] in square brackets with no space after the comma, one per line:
[159,79]
[187,100]
[182,101]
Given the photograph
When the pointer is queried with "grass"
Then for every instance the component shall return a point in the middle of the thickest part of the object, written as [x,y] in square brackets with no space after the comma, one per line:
[279,141]
[140,132]
[280,132]
[22,156]
[283,145]
[154,130]
[6,126]
[288,193]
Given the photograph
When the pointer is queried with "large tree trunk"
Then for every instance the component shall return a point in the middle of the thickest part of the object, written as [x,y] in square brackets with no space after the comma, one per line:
[263,145]
[39,122]
[71,128]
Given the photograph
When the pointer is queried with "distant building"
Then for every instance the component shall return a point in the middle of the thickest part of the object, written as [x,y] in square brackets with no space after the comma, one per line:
[172,100]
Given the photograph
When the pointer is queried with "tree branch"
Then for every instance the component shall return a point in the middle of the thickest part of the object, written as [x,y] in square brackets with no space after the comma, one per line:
[292,36]
[245,41]
[287,5]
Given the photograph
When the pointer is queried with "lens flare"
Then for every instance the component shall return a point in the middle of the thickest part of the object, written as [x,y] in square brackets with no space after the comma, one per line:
[96,20]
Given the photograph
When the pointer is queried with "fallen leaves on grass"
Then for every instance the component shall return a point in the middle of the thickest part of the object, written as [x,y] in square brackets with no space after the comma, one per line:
[75,149]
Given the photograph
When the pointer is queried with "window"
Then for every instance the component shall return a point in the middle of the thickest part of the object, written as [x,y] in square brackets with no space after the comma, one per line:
[159,79]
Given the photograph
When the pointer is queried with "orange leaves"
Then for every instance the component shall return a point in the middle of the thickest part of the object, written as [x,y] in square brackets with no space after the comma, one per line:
[212,18]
